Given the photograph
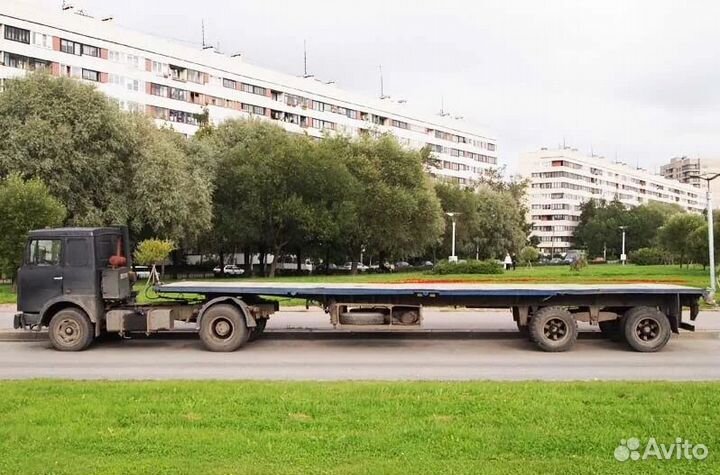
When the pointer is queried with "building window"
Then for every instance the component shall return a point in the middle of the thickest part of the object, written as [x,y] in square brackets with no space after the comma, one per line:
[158,90]
[260,91]
[42,40]
[23,62]
[159,68]
[229,83]
[70,47]
[17,34]
[133,85]
[195,76]
[134,61]
[90,75]
[91,51]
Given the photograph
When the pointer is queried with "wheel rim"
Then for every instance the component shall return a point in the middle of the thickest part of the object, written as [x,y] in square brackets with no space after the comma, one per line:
[555,329]
[222,328]
[68,331]
[647,329]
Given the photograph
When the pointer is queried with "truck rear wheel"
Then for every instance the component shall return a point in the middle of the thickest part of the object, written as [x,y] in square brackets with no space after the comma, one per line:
[70,330]
[646,329]
[553,329]
[223,328]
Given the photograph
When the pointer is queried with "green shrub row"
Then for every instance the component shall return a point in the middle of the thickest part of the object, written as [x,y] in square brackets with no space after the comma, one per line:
[649,256]
[468,267]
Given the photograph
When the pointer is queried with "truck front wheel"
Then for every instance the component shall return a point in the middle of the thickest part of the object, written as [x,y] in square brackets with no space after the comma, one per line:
[223,328]
[70,330]
[553,329]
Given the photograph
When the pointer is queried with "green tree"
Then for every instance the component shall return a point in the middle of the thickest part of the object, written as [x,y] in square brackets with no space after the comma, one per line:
[698,242]
[676,236]
[74,139]
[599,225]
[171,193]
[106,166]
[528,255]
[274,191]
[395,210]
[491,222]
[25,205]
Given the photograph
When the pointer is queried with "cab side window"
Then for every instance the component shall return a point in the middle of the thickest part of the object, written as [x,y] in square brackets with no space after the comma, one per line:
[76,252]
[44,252]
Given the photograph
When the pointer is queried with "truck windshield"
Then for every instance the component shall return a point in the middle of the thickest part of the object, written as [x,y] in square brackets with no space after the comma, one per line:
[105,246]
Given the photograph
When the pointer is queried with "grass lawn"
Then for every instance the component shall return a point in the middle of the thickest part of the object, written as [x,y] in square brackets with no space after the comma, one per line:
[605,273]
[6,294]
[694,276]
[364,428]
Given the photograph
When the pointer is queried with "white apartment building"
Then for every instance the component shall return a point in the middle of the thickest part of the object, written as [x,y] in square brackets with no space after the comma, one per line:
[175,84]
[562,179]
[686,170]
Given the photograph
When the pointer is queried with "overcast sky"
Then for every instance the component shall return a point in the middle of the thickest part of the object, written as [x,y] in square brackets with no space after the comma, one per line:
[636,79]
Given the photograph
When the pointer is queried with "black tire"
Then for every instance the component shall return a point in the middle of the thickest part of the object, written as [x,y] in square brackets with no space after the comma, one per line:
[553,329]
[646,329]
[223,328]
[259,329]
[71,330]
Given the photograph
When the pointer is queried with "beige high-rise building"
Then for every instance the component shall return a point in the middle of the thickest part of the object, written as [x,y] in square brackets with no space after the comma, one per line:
[687,170]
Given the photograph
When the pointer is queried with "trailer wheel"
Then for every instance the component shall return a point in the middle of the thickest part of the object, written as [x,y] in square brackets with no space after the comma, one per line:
[259,329]
[223,328]
[70,330]
[553,329]
[646,329]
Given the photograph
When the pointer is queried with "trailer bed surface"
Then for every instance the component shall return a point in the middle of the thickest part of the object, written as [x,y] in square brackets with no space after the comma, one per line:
[470,289]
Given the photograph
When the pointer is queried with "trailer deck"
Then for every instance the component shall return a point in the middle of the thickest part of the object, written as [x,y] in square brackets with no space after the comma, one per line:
[321,291]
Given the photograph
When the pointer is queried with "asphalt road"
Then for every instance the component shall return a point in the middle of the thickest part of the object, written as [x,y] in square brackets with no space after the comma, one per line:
[457,345]
[354,357]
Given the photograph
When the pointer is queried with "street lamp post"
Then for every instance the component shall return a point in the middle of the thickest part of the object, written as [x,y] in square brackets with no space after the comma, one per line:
[453,257]
[623,256]
[711,234]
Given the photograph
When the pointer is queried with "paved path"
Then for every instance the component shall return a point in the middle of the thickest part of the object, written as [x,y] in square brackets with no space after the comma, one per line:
[355,357]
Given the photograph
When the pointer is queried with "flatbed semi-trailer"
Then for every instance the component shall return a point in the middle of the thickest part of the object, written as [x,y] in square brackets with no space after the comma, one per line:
[77,282]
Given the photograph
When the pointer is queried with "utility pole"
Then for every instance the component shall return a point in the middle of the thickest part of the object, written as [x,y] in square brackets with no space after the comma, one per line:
[711,233]
[623,256]
[453,257]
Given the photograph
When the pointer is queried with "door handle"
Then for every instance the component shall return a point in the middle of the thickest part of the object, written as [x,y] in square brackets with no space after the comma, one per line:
[58,278]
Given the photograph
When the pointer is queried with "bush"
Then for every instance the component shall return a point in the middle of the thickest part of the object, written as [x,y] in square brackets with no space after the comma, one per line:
[649,256]
[468,267]
[153,251]
[528,255]
[578,264]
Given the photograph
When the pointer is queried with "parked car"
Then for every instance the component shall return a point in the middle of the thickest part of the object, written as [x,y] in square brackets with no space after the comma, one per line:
[142,272]
[402,265]
[229,269]
[360,267]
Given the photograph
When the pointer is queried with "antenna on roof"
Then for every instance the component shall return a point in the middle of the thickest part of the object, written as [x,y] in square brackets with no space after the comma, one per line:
[202,28]
[67,5]
[442,107]
[305,69]
[382,85]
